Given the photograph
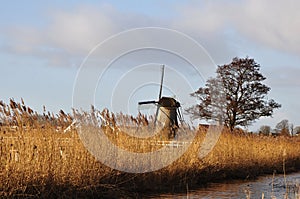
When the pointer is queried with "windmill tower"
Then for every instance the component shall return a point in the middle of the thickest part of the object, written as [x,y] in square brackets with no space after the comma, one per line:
[166,112]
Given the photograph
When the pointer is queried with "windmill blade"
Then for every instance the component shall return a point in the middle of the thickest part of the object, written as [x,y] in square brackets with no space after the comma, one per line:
[147,107]
[161,81]
[160,93]
[148,102]
[156,115]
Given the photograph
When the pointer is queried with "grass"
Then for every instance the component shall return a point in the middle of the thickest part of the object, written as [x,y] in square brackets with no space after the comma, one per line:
[40,161]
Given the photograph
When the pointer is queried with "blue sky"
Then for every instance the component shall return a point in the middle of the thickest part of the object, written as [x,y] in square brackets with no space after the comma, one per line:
[43,44]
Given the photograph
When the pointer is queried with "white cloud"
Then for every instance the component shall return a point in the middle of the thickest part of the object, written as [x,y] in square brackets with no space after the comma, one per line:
[70,34]
[275,24]
[205,18]
[81,29]
[22,39]
[283,77]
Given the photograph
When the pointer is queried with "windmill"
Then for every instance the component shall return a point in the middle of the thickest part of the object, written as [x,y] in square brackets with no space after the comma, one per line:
[167,110]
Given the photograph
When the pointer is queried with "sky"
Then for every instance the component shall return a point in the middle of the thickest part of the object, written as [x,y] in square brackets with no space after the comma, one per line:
[45,46]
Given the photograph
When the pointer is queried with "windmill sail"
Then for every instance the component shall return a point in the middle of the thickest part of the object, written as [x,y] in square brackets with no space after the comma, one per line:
[148,102]
[161,81]
[160,93]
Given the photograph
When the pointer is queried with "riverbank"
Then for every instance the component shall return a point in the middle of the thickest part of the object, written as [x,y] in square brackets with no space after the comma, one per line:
[44,163]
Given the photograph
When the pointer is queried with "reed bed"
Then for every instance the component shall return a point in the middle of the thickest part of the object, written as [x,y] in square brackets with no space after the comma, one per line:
[46,163]
[41,161]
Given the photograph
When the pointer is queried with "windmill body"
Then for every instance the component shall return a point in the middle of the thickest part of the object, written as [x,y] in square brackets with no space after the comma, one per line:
[167,114]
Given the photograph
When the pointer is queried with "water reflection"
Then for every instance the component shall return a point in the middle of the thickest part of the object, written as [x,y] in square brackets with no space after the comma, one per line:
[264,187]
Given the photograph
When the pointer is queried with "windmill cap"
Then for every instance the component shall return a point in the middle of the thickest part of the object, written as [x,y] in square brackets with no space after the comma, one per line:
[168,102]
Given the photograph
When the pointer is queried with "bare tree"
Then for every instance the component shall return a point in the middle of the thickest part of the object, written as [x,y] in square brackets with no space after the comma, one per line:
[265,130]
[283,127]
[236,94]
[291,128]
[297,130]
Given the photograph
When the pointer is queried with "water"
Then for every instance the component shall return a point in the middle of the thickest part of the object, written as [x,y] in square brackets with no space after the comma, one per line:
[264,187]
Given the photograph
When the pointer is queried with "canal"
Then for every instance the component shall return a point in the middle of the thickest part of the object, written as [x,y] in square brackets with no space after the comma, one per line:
[273,186]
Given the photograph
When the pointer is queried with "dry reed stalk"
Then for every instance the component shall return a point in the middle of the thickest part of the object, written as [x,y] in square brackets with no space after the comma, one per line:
[52,159]
[41,161]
